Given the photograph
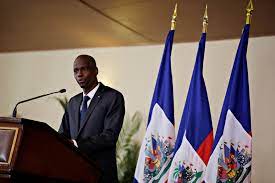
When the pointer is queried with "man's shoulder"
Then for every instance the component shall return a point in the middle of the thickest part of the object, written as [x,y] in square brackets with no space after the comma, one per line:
[110,90]
[79,95]
[76,98]
[111,95]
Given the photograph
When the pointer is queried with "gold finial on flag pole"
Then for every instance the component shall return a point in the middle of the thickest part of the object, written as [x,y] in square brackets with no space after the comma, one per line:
[205,20]
[173,21]
[249,10]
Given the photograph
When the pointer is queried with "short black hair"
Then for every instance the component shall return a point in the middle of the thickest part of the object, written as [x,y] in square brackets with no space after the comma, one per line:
[88,58]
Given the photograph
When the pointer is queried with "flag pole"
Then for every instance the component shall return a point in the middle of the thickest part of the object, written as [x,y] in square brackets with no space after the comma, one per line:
[205,21]
[249,10]
[173,21]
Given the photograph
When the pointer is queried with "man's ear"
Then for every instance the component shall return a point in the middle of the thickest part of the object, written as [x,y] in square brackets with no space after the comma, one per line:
[96,70]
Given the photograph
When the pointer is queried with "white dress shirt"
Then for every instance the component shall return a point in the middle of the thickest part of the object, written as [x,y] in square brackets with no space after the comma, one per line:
[91,94]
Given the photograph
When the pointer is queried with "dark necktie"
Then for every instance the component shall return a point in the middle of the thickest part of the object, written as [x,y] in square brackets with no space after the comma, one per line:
[83,109]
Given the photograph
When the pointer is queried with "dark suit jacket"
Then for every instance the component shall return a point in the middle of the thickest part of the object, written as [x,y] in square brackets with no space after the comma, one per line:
[98,134]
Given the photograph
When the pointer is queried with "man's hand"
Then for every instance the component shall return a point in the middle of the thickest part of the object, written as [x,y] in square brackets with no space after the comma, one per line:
[74,142]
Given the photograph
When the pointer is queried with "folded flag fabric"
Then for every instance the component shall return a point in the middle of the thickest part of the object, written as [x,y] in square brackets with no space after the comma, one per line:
[157,147]
[195,135]
[231,156]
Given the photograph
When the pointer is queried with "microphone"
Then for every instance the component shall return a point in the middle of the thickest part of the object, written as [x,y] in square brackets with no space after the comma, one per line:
[23,101]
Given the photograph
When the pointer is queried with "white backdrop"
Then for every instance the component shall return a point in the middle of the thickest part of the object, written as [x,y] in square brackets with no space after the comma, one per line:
[133,71]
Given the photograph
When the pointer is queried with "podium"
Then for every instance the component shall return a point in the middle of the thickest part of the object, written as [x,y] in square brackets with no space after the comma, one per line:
[32,151]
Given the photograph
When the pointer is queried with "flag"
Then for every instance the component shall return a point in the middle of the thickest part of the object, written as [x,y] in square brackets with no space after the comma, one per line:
[158,144]
[195,135]
[231,156]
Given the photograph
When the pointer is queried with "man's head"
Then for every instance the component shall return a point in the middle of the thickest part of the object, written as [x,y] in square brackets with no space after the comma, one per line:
[85,72]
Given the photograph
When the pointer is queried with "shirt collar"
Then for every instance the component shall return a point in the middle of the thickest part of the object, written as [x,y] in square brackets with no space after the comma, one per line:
[92,92]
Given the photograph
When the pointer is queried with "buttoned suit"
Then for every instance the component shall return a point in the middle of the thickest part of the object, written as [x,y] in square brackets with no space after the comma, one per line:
[97,135]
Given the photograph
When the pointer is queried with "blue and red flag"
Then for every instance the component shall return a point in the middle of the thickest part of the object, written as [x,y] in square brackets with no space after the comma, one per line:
[231,156]
[195,135]
[156,151]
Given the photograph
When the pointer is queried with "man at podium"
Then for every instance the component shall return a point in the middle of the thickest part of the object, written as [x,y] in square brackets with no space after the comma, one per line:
[93,118]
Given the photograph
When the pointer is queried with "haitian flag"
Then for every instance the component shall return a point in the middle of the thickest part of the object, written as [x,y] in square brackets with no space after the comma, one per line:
[231,156]
[157,147]
[195,135]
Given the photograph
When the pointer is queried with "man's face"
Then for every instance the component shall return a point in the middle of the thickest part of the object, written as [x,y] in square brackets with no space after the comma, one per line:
[85,73]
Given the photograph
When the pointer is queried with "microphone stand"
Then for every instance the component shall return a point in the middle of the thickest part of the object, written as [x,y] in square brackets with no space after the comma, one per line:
[23,101]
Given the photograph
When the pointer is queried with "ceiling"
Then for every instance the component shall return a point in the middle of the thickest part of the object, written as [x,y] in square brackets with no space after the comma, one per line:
[63,24]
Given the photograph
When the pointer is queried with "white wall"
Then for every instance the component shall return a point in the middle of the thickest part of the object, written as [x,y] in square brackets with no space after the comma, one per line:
[133,71]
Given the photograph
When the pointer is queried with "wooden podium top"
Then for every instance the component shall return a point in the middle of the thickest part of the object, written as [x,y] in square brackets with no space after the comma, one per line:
[31,150]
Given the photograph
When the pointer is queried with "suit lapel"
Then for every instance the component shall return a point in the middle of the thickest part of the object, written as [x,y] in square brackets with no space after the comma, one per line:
[92,106]
[76,116]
